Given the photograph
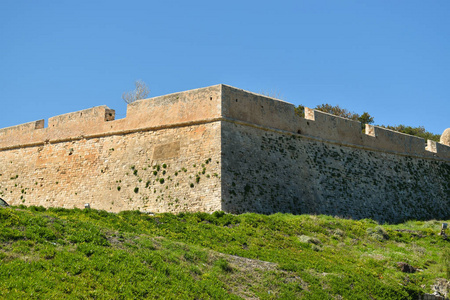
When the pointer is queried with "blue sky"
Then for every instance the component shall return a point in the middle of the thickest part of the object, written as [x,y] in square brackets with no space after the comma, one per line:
[389,58]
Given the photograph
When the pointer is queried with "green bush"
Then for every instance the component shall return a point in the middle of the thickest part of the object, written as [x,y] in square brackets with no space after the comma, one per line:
[377,233]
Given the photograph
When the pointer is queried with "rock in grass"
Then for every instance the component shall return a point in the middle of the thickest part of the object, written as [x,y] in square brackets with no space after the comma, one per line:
[309,240]
[441,287]
[377,233]
[406,268]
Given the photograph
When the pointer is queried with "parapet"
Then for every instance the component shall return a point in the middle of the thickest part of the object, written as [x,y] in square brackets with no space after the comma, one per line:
[79,118]
[178,108]
[219,103]
[257,109]
[83,122]
[62,127]
[436,147]
[330,127]
[22,129]
[21,134]
[394,141]
[246,107]
[345,131]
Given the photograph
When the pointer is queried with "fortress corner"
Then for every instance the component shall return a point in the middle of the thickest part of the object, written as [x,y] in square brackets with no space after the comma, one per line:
[223,148]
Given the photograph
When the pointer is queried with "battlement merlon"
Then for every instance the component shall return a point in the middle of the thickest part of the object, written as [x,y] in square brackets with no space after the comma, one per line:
[21,134]
[218,103]
[22,128]
[91,116]
[394,141]
[198,105]
[330,127]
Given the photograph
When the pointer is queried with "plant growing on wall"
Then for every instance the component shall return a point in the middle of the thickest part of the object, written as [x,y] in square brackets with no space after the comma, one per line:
[140,92]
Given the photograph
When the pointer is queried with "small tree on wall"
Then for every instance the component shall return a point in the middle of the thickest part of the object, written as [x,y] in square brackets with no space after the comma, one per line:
[140,92]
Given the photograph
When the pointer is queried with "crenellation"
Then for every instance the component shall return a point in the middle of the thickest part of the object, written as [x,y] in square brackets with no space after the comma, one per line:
[431,146]
[370,130]
[22,135]
[25,128]
[185,107]
[442,151]
[393,141]
[110,114]
[310,114]
[330,127]
[79,118]
[214,103]
[39,124]
[222,148]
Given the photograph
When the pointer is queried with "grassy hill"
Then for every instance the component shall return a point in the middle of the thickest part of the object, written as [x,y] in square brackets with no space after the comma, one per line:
[60,253]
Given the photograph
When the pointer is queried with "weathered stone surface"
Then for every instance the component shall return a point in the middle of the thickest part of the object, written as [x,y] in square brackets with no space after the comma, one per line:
[119,172]
[268,171]
[406,268]
[441,287]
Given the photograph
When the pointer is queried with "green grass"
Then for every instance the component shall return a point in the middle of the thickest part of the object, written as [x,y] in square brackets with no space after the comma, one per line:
[60,253]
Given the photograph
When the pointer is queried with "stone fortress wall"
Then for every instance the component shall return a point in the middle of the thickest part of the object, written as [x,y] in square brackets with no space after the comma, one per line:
[222,148]
[146,161]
